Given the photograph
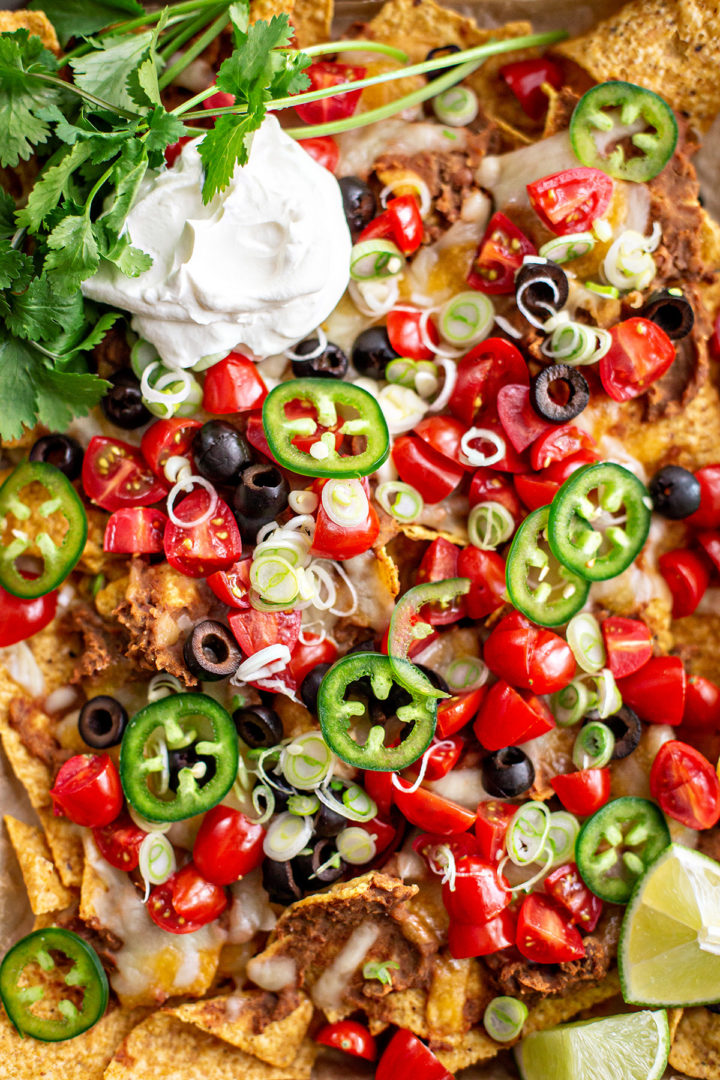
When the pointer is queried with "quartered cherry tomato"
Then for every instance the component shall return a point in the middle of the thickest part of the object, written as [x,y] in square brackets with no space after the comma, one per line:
[349,1036]
[185,902]
[657,691]
[114,475]
[539,489]
[481,374]
[233,385]
[559,443]
[439,563]
[566,886]
[119,842]
[172,152]
[641,352]
[325,73]
[687,574]
[482,939]
[582,792]
[379,786]
[432,474]
[486,570]
[202,549]
[444,434]
[307,656]
[571,200]
[488,486]
[228,845]
[526,77]
[520,422]
[702,704]
[406,1058]
[135,530]
[480,892]
[430,811]
[685,785]
[501,252]
[168,438]
[628,644]
[508,718]
[87,790]
[427,846]
[255,630]
[529,656]
[493,819]
[441,756]
[333,541]
[399,222]
[545,933]
[220,100]
[20,619]
[232,586]
[455,712]
[709,541]
[404,328]
[707,516]
[323,149]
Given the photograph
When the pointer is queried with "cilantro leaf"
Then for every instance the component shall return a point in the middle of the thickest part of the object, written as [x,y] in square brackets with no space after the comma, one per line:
[126,177]
[106,71]
[130,260]
[63,395]
[7,215]
[94,337]
[163,130]
[39,313]
[49,188]
[249,70]
[21,374]
[23,97]
[142,84]
[73,254]
[76,18]
[225,146]
[15,267]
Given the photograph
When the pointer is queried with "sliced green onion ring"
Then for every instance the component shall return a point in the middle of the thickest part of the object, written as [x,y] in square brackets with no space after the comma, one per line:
[564,248]
[471,456]
[490,524]
[586,641]
[274,579]
[467,318]
[527,833]
[345,502]
[402,501]
[306,761]
[466,673]
[603,290]
[457,106]
[163,685]
[609,698]
[374,259]
[594,746]
[504,1018]
[572,703]
[563,833]
[156,860]
[303,805]
[148,826]
[356,846]
[262,793]
[359,802]
[380,970]
[286,836]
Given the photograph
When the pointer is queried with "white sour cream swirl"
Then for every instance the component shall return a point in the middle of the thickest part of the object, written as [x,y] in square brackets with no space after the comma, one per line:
[261,266]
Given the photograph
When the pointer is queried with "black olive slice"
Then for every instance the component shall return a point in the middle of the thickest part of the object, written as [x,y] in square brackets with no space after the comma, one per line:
[211,652]
[258,726]
[186,758]
[311,360]
[123,403]
[278,880]
[559,393]
[675,492]
[541,290]
[261,495]
[434,54]
[62,451]
[306,868]
[102,721]
[310,686]
[626,727]
[671,311]
[507,773]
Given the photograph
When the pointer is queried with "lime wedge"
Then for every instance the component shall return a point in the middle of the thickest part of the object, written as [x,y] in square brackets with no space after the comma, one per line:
[670,942]
[634,1046]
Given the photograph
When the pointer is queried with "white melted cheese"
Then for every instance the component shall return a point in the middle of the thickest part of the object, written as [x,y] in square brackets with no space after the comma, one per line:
[329,990]
[22,666]
[463,786]
[272,972]
[361,148]
[250,910]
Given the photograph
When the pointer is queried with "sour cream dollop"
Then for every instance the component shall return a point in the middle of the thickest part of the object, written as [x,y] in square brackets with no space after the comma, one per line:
[260,267]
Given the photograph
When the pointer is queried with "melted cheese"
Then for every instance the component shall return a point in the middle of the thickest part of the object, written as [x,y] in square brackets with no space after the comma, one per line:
[329,990]
[22,666]
[250,910]
[272,972]
[361,148]
[463,786]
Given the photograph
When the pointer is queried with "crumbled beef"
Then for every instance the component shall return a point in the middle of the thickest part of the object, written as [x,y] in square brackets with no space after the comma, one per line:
[34,729]
[102,643]
[674,205]
[103,941]
[688,371]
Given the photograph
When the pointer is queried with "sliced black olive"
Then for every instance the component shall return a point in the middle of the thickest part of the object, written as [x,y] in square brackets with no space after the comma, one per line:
[434,54]
[372,352]
[626,727]
[306,868]
[559,393]
[261,495]
[102,721]
[211,652]
[507,773]
[328,363]
[671,311]
[328,822]
[258,726]
[186,758]
[278,880]
[221,452]
[541,289]
[123,404]
[675,492]
[310,686]
[62,451]
[364,646]
[359,203]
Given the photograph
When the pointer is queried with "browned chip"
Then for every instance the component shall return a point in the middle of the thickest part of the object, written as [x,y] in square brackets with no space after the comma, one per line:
[265,9]
[422,532]
[44,888]
[312,20]
[388,571]
[696,1047]
[36,22]
[257,1022]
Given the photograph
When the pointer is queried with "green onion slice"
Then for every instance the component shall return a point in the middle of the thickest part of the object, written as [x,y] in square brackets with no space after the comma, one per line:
[527,833]
[609,698]
[274,579]
[565,248]
[356,846]
[287,836]
[357,800]
[345,502]
[402,501]
[594,746]
[490,524]
[602,290]
[306,761]
[303,805]
[563,833]
[374,259]
[572,703]
[586,641]
[380,970]
[467,318]
[504,1018]
[457,106]
[156,860]
[466,673]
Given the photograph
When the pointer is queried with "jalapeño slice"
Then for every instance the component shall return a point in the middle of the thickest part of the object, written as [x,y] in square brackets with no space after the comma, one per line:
[322,459]
[617,844]
[539,586]
[44,1003]
[377,683]
[53,529]
[615,110]
[599,521]
[407,626]
[179,757]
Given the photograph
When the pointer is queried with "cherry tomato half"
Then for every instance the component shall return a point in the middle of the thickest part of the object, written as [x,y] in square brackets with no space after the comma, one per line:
[333,541]
[168,438]
[702,704]
[508,718]
[657,691]
[486,570]
[709,541]
[232,586]
[87,790]
[539,489]
[707,516]
[444,434]
[404,328]
[323,149]
[500,253]
[135,530]
[323,74]
[685,785]
[255,630]
[482,939]
[641,352]
[20,619]
[582,792]
[481,374]
[430,811]
[687,575]
[233,385]
[489,486]
[406,1058]
[307,656]
[114,475]
[349,1036]
[441,757]
[432,474]
[380,788]
[213,544]
[566,886]
[520,422]
[560,443]
[455,712]
[480,892]
[493,819]
[119,842]
[185,902]
[228,845]
[439,563]
[526,77]
[545,933]
[628,644]
[399,222]
[529,656]
[571,200]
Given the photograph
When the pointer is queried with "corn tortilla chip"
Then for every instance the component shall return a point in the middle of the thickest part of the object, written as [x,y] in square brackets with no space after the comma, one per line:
[254,1021]
[36,22]
[265,9]
[696,1045]
[44,888]
[312,20]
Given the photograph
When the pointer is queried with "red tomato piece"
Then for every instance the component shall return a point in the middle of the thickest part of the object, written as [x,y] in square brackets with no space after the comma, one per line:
[520,422]
[500,253]
[405,333]
[233,385]
[200,550]
[185,902]
[571,200]
[441,756]
[507,718]
[406,1058]
[526,77]
[709,541]
[255,435]
[493,819]
[628,644]
[135,530]
[114,475]
[87,790]
[560,443]
[430,811]
[228,845]
[439,563]
[480,892]
[481,374]
[715,338]
[455,712]
[305,657]
[20,619]
[657,691]
[641,352]
[434,475]
[702,704]
[566,886]
[545,933]
[687,574]
[349,1036]
[220,100]
[232,586]
[539,489]
[168,438]
[119,842]
[255,630]
[707,516]
[380,788]
[482,939]
[399,222]
[444,434]
[486,570]
[384,834]
[487,486]
[333,541]
[582,792]
[460,845]
[323,74]
[511,461]
[172,152]
[529,656]
[323,149]
[685,785]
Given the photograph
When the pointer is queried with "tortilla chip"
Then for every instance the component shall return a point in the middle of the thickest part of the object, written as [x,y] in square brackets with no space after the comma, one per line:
[670,46]
[36,22]
[422,532]
[265,9]
[312,20]
[455,985]
[163,1046]
[696,1046]
[82,1058]
[44,888]
[247,1019]
[388,571]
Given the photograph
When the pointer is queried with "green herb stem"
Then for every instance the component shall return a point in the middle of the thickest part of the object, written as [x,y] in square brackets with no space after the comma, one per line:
[96,188]
[357,46]
[154,16]
[73,89]
[187,30]
[194,51]
[179,110]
